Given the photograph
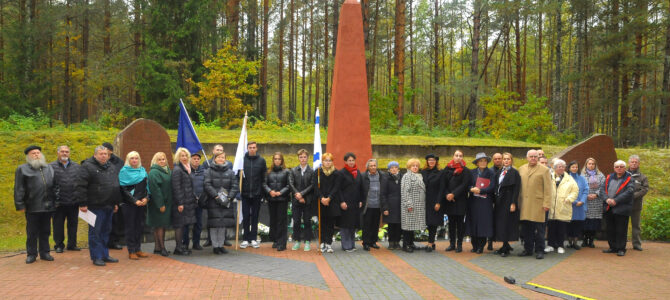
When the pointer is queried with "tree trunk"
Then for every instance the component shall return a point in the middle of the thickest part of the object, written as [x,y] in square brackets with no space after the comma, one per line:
[280,88]
[264,60]
[556,97]
[325,65]
[137,37]
[372,71]
[291,60]
[474,68]
[399,61]
[517,52]
[436,66]
[2,41]
[303,62]
[664,121]
[311,59]
[539,48]
[233,13]
[412,77]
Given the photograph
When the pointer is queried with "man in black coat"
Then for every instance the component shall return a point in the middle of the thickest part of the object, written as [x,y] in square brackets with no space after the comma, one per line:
[34,195]
[117,233]
[302,194]
[254,170]
[617,195]
[100,183]
[496,158]
[198,179]
[67,200]
[372,185]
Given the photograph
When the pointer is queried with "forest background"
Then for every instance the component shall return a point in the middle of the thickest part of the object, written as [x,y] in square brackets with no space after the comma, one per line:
[549,71]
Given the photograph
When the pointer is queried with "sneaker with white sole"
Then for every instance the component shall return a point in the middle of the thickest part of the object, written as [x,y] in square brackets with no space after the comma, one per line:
[329,248]
[561,250]
[323,247]
[548,249]
[296,246]
[307,248]
[244,244]
[350,250]
[255,244]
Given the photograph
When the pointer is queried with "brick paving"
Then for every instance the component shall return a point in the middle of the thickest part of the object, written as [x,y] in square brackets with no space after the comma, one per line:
[267,274]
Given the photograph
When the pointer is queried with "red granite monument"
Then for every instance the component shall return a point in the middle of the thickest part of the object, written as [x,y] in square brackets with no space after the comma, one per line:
[599,146]
[146,137]
[349,114]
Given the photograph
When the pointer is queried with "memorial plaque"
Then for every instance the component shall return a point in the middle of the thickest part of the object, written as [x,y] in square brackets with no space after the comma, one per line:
[599,146]
[146,137]
[349,113]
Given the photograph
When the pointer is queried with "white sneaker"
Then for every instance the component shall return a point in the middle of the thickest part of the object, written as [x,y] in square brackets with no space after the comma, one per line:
[350,250]
[329,248]
[548,249]
[255,244]
[561,250]
[323,247]
[244,244]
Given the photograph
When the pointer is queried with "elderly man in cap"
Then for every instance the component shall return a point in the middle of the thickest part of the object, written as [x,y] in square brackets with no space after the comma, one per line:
[641,189]
[617,194]
[66,173]
[34,195]
[537,190]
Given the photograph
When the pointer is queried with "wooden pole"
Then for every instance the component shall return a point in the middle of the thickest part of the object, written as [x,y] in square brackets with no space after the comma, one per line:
[318,184]
[239,211]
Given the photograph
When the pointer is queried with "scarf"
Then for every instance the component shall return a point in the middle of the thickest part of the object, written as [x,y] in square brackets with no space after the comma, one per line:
[458,168]
[187,167]
[352,170]
[166,168]
[132,176]
[591,174]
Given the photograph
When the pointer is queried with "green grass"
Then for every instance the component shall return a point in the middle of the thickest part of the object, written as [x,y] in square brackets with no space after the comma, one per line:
[12,223]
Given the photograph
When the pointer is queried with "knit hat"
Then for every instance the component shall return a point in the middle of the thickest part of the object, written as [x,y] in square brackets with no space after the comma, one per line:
[393,164]
[108,146]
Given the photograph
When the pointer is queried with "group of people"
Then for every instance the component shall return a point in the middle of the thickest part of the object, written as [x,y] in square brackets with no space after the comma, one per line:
[499,203]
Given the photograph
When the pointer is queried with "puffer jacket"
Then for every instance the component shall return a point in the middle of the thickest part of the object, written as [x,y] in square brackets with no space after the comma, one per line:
[302,184]
[198,178]
[100,184]
[182,194]
[219,177]
[277,180]
[566,193]
[254,176]
[34,189]
[65,183]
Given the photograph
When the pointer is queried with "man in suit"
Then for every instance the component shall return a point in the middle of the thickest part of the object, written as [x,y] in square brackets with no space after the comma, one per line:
[534,200]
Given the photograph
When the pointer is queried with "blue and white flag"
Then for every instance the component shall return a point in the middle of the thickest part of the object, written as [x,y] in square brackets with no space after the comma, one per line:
[241,148]
[186,136]
[317,142]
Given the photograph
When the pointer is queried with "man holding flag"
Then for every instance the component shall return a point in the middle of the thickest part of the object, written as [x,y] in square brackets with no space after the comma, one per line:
[252,178]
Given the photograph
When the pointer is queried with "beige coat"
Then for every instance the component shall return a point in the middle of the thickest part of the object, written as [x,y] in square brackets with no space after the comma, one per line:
[566,193]
[537,190]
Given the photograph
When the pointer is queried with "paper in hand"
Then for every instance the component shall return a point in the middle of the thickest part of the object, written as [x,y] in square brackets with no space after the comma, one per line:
[88,216]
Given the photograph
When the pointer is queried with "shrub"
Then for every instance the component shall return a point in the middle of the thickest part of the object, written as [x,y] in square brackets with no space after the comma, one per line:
[655,223]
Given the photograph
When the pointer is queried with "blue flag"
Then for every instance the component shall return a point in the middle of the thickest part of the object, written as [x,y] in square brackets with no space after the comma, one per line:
[186,136]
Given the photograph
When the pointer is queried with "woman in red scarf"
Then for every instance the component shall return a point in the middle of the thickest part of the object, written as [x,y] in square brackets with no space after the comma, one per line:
[454,190]
[351,201]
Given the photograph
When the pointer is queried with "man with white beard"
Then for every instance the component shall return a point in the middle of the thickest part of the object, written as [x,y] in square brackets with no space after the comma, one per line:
[34,195]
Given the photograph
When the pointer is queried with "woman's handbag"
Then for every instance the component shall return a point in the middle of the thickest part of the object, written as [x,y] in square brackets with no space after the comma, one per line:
[222,199]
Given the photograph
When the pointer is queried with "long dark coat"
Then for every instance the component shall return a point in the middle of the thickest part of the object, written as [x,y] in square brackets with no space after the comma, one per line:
[219,177]
[327,187]
[160,188]
[479,218]
[350,193]
[432,179]
[507,193]
[457,185]
[392,194]
[182,194]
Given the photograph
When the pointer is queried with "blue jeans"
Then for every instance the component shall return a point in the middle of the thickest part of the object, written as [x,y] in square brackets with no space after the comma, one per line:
[98,236]
[197,229]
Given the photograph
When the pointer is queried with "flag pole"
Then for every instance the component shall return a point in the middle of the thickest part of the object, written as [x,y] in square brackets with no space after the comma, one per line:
[239,210]
[318,184]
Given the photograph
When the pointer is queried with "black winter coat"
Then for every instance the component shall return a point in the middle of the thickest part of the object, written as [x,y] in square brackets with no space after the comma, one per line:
[219,177]
[182,194]
[198,179]
[255,170]
[65,183]
[100,184]
[507,193]
[140,193]
[391,188]
[457,185]
[479,219]
[277,181]
[432,178]
[351,193]
[303,184]
[365,189]
[327,187]
[34,189]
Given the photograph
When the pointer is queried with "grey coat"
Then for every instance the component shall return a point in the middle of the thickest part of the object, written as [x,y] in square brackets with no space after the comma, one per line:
[412,195]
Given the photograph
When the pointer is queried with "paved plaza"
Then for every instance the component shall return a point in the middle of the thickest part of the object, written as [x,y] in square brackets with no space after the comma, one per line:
[380,274]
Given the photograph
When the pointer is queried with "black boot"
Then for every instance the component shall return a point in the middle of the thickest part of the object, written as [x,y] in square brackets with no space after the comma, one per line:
[459,247]
[407,248]
[451,247]
[490,246]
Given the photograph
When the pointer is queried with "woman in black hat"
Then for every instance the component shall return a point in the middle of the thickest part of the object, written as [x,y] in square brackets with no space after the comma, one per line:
[432,177]
[480,209]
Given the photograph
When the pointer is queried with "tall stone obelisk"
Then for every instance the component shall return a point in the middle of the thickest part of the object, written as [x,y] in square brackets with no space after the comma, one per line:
[349,115]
